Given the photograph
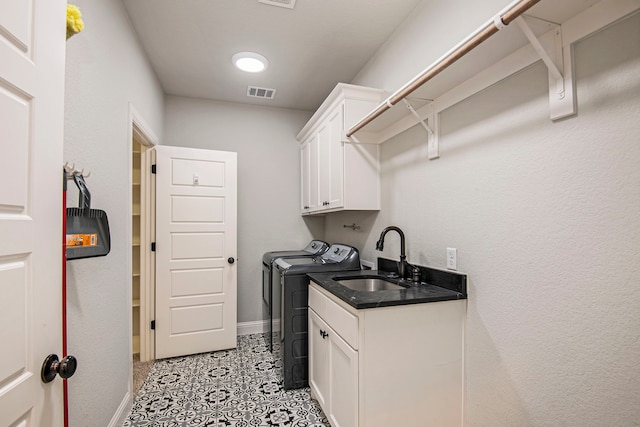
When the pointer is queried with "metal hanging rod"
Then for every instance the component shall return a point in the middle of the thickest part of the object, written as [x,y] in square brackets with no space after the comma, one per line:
[70,171]
[504,18]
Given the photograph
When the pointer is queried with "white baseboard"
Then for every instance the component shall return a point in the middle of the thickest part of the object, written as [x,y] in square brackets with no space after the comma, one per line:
[256,327]
[122,412]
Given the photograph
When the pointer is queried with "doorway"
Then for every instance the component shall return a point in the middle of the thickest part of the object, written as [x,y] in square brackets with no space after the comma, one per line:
[142,263]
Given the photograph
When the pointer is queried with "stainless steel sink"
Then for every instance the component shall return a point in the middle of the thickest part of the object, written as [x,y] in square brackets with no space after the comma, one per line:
[368,284]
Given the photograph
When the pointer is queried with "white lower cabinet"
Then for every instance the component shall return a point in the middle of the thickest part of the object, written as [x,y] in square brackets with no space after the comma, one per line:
[334,373]
[388,366]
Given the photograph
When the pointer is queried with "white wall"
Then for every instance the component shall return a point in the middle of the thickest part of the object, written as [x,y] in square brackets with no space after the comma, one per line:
[105,71]
[431,30]
[546,220]
[268,179]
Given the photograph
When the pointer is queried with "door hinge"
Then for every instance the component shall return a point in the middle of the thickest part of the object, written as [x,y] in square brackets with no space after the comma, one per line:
[153,324]
[153,168]
[153,246]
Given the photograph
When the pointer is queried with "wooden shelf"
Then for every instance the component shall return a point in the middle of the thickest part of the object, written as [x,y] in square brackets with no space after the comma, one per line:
[136,277]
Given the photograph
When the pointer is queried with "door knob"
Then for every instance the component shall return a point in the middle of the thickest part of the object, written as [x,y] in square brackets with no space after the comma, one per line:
[231,260]
[52,367]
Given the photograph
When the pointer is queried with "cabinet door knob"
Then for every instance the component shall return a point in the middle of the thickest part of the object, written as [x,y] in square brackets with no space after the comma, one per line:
[323,334]
[231,260]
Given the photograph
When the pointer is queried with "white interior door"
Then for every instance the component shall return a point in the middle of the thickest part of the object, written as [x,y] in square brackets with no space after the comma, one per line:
[196,246]
[32,59]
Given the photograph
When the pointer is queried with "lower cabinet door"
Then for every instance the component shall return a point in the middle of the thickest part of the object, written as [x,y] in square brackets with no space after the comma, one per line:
[333,373]
[343,382]
[318,359]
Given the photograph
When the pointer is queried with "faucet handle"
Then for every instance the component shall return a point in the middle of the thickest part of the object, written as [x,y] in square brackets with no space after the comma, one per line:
[415,274]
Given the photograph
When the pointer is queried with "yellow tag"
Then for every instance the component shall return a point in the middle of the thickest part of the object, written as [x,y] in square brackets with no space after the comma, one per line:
[81,240]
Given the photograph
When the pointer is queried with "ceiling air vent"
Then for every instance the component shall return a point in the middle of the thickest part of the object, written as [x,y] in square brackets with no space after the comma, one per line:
[280,3]
[261,92]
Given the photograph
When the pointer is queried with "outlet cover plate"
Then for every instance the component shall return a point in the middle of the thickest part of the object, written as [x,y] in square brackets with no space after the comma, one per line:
[452,258]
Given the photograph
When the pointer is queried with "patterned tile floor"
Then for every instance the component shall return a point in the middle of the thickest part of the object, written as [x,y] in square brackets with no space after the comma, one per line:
[240,387]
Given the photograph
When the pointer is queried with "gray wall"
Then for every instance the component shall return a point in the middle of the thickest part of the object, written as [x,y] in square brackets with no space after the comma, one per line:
[546,220]
[105,71]
[268,179]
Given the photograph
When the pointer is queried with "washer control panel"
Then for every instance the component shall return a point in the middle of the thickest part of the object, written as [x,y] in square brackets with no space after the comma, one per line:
[338,253]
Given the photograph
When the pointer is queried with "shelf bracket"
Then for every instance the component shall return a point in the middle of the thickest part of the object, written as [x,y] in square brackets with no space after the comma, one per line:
[415,113]
[432,137]
[559,64]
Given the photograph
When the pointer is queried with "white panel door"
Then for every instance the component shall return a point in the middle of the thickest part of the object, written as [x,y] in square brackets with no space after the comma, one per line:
[32,49]
[196,246]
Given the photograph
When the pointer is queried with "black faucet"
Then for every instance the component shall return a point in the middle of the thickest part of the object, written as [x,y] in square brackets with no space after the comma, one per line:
[403,264]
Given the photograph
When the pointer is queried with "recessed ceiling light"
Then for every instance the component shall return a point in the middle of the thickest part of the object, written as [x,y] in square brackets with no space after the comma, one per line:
[250,62]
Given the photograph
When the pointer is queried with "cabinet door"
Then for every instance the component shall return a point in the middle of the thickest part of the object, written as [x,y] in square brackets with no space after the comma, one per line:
[331,161]
[335,192]
[309,175]
[343,382]
[305,171]
[324,165]
[318,359]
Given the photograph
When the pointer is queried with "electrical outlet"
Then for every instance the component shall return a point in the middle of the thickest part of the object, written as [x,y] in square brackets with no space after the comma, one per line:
[452,258]
[367,265]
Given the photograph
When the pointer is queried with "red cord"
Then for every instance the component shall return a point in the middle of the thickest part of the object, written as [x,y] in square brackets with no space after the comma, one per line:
[64,296]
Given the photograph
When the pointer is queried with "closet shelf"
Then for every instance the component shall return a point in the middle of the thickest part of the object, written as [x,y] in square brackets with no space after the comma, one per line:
[494,51]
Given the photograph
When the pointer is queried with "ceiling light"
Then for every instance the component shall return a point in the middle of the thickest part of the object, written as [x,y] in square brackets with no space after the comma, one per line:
[250,62]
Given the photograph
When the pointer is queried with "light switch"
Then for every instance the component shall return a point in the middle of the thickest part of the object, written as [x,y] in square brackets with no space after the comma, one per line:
[196,179]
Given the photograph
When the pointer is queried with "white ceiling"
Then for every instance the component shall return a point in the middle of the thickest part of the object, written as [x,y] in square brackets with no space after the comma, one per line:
[310,48]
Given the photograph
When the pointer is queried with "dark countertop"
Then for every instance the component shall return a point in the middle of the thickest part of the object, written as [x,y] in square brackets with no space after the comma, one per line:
[436,285]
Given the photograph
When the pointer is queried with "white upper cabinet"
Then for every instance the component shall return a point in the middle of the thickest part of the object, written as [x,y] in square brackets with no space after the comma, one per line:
[339,173]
